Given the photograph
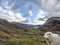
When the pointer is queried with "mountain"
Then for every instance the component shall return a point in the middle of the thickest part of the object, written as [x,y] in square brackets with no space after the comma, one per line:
[26,26]
[8,30]
[52,24]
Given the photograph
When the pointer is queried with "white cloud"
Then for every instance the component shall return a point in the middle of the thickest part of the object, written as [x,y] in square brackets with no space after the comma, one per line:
[20,17]
[1,9]
[10,13]
[10,16]
[40,22]
[6,4]
[35,22]
[30,13]
[40,14]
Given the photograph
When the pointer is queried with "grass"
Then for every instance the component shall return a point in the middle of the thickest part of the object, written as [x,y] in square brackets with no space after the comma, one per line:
[30,38]
[24,42]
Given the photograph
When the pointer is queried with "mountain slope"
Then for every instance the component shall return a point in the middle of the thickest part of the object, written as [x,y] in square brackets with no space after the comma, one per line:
[52,24]
[11,34]
[8,30]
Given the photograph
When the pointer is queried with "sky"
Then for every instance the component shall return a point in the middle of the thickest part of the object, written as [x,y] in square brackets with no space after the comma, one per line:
[33,12]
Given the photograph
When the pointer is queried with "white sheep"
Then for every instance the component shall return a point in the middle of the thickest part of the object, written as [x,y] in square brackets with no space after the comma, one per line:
[52,39]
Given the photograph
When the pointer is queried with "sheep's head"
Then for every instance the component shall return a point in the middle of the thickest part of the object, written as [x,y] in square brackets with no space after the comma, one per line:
[47,35]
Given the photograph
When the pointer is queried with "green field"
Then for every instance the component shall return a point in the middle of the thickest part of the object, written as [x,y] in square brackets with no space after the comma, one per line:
[32,37]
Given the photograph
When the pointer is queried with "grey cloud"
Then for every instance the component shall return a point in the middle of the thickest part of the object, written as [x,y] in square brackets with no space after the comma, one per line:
[41,19]
[52,7]
[22,3]
[46,5]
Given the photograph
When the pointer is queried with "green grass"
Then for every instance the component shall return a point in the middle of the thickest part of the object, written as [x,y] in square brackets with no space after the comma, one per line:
[32,38]
[24,42]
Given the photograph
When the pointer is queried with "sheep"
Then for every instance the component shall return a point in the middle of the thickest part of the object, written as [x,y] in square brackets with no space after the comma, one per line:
[52,39]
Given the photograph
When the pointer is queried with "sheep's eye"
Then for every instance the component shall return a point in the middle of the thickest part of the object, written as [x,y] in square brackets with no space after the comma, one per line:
[48,34]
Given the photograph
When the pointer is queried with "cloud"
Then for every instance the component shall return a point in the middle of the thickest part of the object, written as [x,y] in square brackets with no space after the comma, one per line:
[47,5]
[49,8]
[11,16]
[35,22]
[50,5]
[30,13]
[41,15]
[20,17]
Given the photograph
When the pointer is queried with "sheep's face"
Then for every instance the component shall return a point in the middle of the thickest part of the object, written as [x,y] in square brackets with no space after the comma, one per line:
[47,35]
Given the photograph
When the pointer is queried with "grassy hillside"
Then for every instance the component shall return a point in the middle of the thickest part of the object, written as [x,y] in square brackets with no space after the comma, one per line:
[11,34]
[52,24]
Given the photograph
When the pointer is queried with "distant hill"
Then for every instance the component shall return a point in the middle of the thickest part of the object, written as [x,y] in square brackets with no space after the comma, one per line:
[17,25]
[26,26]
[9,30]
[52,24]
[6,30]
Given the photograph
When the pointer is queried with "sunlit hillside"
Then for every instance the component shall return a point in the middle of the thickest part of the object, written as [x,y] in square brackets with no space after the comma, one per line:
[11,34]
